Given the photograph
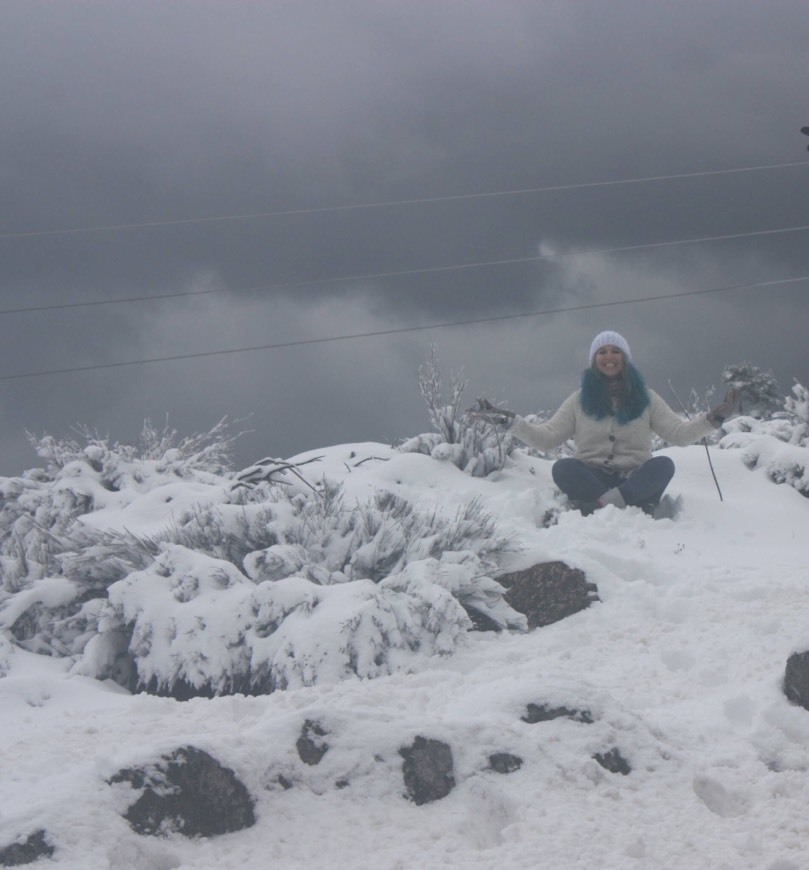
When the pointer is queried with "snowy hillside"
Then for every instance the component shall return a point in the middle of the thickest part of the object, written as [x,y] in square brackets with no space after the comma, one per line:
[679,667]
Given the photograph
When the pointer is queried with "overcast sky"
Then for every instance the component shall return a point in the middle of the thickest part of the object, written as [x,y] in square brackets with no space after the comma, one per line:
[157,112]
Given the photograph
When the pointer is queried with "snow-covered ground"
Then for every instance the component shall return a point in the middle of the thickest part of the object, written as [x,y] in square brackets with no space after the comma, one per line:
[680,663]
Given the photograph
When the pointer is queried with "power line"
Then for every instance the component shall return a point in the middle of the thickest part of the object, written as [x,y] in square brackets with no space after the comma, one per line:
[406,329]
[404,272]
[392,203]
[157,297]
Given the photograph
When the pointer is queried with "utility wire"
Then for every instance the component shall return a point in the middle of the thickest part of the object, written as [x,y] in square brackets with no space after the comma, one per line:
[402,330]
[326,209]
[404,272]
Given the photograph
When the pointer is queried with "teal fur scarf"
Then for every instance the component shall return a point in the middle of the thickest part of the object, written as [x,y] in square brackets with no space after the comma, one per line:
[596,400]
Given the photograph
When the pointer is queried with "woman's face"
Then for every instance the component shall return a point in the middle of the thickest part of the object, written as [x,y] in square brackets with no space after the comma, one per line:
[609,360]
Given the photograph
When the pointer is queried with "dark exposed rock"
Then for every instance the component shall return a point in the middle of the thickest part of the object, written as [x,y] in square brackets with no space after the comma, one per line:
[25,627]
[187,792]
[311,745]
[480,620]
[34,847]
[543,713]
[428,770]
[613,761]
[504,762]
[183,690]
[796,679]
[548,592]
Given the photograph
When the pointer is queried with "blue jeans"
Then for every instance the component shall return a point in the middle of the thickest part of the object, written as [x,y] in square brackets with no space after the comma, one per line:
[586,483]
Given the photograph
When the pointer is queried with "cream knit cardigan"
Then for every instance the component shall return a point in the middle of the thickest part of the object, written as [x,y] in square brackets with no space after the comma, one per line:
[607,444]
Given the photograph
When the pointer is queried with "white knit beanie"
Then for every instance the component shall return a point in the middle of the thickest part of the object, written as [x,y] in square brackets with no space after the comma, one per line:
[613,338]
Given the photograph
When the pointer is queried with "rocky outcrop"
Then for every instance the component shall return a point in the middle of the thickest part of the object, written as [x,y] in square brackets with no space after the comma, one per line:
[428,770]
[187,792]
[796,679]
[614,761]
[26,851]
[545,713]
[504,762]
[548,592]
[310,745]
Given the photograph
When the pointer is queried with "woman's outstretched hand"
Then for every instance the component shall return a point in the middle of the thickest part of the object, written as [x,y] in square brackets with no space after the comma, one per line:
[489,413]
[729,407]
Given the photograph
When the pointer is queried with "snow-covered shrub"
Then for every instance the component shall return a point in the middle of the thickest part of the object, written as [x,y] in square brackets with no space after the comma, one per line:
[782,463]
[197,626]
[760,395]
[32,520]
[207,451]
[245,590]
[42,504]
[796,407]
[779,445]
[328,541]
[700,403]
[474,446]
[42,536]
[332,591]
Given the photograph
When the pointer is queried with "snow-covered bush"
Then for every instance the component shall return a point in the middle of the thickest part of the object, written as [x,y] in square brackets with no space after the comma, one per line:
[209,451]
[51,562]
[79,478]
[246,590]
[779,445]
[760,395]
[191,625]
[307,589]
[782,463]
[796,408]
[474,446]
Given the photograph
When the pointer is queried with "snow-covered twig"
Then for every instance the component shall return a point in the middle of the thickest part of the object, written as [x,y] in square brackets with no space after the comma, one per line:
[258,472]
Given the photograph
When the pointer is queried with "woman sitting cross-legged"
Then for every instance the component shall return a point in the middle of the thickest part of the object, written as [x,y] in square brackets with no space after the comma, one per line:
[611,419]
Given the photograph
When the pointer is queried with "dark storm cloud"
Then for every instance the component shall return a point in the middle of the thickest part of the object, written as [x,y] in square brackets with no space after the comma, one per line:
[129,112]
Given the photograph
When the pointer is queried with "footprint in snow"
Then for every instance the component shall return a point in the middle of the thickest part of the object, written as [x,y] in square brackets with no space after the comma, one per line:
[718,799]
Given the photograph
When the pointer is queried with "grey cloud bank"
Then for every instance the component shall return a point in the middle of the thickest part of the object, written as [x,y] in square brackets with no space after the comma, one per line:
[122,113]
